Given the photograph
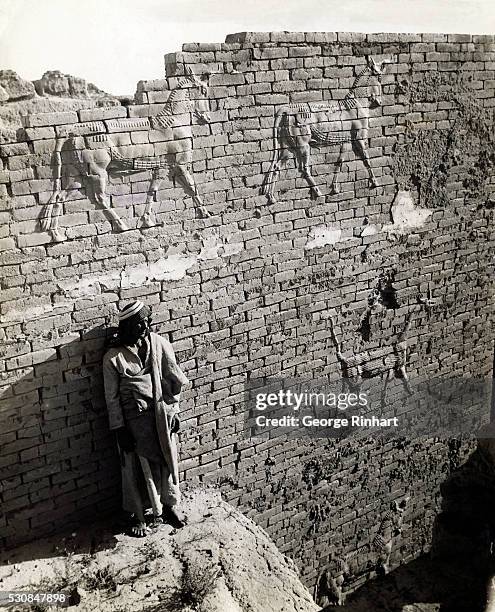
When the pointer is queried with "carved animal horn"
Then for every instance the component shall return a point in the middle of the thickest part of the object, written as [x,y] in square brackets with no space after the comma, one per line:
[373,65]
[190,74]
[378,68]
[193,78]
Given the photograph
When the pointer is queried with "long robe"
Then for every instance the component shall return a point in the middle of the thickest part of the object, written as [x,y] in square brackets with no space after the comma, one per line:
[143,397]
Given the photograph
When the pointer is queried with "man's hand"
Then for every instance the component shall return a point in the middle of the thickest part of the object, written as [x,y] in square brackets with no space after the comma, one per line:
[174,423]
[125,439]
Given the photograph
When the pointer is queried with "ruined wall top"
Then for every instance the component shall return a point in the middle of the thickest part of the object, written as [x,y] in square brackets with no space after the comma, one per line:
[259,38]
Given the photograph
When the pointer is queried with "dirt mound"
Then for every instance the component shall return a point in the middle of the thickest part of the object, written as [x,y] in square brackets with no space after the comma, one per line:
[220,562]
[54,92]
[12,87]
[56,83]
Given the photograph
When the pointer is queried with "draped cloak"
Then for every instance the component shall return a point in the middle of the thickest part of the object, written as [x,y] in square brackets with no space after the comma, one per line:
[143,396]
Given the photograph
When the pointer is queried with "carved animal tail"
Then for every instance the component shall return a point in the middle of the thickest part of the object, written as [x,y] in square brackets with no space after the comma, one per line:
[276,134]
[57,168]
[267,181]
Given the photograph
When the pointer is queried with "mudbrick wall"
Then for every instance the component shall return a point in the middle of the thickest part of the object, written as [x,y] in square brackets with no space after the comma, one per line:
[271,197]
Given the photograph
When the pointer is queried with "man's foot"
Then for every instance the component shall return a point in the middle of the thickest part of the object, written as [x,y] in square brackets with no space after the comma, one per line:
[139,530]
[173,518]
[156,521]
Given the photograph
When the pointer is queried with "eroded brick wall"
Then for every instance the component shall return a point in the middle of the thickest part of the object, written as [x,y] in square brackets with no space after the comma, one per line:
[247,291]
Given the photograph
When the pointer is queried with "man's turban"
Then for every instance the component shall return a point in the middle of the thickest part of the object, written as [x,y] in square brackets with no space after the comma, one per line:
[135,311]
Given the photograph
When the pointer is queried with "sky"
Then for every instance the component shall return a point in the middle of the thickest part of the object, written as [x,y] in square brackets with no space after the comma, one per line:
[115,43]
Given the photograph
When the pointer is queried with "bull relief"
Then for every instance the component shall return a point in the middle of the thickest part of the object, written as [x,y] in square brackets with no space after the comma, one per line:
[299,127]
[335,579]
[385,362]
[88,154]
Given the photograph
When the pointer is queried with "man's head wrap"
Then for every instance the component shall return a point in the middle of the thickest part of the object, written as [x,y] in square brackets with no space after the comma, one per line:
[133,313]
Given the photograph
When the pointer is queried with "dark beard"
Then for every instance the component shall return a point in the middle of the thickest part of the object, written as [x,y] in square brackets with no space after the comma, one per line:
[130,333]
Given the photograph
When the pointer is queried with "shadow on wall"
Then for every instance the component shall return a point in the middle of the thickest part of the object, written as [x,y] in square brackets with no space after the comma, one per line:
[58,460]
[454,576]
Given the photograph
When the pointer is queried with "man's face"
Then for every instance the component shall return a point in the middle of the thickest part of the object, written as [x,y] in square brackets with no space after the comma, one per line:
[137,331]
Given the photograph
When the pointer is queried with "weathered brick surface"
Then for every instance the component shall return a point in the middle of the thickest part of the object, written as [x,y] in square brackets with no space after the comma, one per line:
[241,292]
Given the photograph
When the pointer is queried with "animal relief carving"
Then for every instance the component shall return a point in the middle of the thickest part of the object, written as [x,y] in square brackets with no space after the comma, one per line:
[329,589]
[298,127]
[330,586]
[86,155]
[384,362]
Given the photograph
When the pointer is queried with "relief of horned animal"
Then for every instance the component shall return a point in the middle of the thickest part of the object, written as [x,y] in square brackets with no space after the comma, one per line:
[330,586]
[299,127]
[389,530]
[88,154]
[385,362]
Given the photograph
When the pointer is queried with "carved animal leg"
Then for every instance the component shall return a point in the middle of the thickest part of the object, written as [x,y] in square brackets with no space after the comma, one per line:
[405,379]
[273,174]
[283,158]
[99,184]
[387,379]
[334,187]
[384,559]
[148,218]
[304,152]
[190,186]
[360,148]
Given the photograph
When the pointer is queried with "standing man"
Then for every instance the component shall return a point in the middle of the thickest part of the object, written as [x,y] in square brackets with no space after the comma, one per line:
[142,389]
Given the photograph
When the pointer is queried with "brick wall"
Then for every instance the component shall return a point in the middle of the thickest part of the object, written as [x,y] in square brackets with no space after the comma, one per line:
[247,290]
